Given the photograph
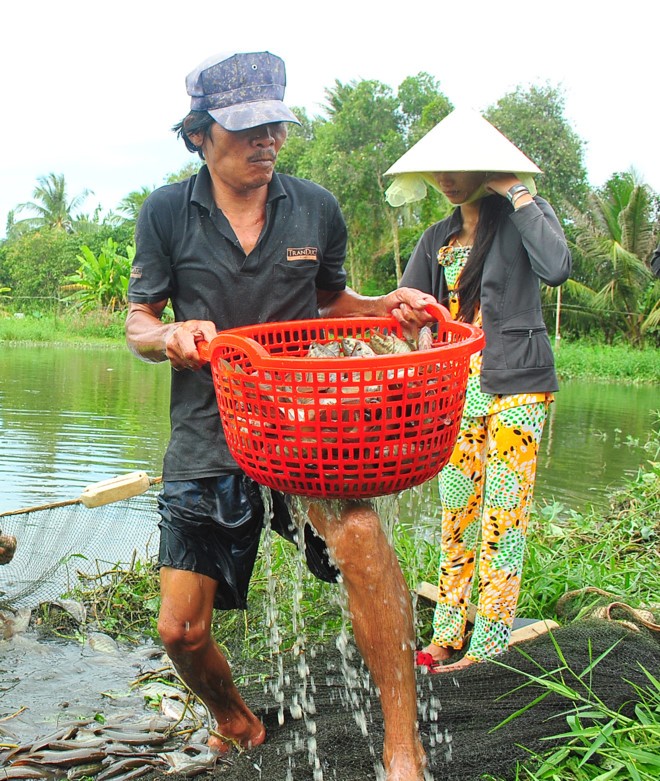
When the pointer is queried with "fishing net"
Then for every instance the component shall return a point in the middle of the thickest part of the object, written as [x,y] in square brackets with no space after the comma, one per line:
[332,728]
[57,542]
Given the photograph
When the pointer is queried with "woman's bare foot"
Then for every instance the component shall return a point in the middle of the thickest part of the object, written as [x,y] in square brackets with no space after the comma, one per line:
[461,664]
[439,652]
[433,656]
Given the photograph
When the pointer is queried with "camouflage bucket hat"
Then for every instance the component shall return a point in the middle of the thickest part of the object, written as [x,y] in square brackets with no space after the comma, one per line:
[240,90]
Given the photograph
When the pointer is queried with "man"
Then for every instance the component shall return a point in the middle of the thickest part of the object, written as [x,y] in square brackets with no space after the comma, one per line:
[224,249]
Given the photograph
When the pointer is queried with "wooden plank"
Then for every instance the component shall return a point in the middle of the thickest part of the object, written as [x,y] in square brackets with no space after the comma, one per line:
[430,592]
[530,631]
[523,628]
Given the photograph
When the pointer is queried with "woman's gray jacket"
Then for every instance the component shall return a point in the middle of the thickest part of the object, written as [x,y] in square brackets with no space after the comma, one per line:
[528,247]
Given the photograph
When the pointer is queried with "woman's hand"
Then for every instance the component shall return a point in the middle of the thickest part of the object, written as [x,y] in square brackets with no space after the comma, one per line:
[501,183]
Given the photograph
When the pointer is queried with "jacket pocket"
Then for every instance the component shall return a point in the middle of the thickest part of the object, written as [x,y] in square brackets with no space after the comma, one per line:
[526,348]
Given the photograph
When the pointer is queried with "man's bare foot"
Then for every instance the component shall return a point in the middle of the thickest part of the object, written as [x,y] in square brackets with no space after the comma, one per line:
[404,766]
[223,742]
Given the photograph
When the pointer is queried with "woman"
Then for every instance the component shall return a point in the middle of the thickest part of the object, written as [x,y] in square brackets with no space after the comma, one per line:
[485,262]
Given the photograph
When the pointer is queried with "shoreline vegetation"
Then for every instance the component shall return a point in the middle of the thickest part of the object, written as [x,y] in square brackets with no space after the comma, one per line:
[588,360]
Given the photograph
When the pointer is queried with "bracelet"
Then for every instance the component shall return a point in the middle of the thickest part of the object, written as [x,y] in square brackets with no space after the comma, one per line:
[519,195]
[517,189]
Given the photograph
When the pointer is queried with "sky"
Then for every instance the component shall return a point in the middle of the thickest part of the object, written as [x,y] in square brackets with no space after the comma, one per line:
[90,90]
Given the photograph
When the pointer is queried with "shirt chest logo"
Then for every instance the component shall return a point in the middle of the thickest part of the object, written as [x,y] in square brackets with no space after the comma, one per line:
[302,253]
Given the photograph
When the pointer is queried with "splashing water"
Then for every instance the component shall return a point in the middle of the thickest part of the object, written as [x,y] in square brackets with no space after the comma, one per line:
[295,698]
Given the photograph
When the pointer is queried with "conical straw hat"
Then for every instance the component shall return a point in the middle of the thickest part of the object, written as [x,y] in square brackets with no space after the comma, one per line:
[462,141]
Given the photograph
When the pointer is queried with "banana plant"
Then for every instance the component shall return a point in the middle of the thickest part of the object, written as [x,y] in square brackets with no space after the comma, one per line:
[101,281]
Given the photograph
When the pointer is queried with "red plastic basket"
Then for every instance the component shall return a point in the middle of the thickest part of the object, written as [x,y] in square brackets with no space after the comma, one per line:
[340,427]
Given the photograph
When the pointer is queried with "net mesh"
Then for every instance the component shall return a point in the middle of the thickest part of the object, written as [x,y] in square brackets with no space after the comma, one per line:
[55,543]
[339,735]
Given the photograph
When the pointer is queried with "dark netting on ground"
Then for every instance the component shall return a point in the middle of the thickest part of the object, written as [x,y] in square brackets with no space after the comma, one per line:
[57,542]
[337,734]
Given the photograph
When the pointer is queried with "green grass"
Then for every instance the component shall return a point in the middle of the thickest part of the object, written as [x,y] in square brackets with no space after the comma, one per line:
[575,360]
[599,744]
[616,363]
[617,551]
[71,327]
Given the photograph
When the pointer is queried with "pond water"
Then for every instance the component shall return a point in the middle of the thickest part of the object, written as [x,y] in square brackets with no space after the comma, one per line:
[70,417]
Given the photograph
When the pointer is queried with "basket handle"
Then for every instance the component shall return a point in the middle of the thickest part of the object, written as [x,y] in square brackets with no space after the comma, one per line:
[468,330]
[440,312]
[253,349]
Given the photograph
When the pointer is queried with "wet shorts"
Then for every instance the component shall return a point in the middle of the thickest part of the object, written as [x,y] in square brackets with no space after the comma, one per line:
[213,526]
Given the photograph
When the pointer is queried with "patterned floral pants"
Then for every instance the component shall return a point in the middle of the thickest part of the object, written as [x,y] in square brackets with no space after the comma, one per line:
[486,492]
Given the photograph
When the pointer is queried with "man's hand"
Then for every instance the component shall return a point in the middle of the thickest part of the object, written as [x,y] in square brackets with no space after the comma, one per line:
[408,306]
[7,548]
[154,341]
[181,343]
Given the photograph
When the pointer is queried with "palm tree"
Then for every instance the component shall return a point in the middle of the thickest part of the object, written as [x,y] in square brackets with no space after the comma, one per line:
[131,204]
[51,204]
[612,242]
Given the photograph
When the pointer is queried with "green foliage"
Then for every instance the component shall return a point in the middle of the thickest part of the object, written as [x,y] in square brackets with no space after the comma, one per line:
[601,744]
[73,327]
[611,363]
[4,297]
[123,602]
[130,205]
[185,172]
[291,158]
[422,106]
[363,129]
[612,282]
[34,265]
[101,281]
[533,119]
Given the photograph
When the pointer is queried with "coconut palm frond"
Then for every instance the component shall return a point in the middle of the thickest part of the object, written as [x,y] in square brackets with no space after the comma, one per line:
[629,271]
[51,205]
[578,293]
[637,231]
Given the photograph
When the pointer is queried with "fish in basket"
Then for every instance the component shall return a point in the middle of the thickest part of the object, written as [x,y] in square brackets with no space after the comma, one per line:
[344,407]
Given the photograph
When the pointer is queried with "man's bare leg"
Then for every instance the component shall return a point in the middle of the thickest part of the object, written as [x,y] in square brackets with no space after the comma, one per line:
[381,612]
[184,625]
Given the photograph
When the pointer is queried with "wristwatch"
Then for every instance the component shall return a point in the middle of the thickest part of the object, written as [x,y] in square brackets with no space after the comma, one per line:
[513,191]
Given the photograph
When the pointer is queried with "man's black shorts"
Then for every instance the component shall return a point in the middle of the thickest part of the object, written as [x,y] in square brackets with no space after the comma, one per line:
[213,526]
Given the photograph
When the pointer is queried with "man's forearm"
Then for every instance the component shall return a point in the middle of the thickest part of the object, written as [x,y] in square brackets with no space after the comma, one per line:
[147,336]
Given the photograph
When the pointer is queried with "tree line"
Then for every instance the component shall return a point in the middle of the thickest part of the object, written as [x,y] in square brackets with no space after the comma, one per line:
[55,253]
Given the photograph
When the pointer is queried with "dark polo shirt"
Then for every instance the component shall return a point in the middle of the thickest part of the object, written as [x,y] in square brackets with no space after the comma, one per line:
[188,253]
